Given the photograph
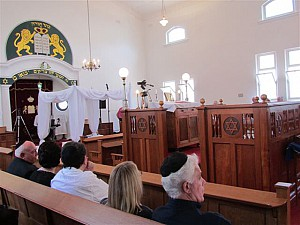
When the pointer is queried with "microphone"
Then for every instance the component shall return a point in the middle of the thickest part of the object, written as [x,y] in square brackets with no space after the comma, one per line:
[106,86]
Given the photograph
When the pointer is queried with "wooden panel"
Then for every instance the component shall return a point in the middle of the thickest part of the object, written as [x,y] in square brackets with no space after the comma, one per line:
[6,156]
[193,127]
[145,139]
[183,127]
[222,168]
[246,164]
[153,166]
[245,213]
[38,215]
[183,130]
[267,127]
[58,219]
[7,139]
[154,196]
[137,153]
[280,169]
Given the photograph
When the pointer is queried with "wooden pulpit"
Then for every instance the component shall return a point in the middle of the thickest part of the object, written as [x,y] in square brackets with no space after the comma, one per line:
[145,137]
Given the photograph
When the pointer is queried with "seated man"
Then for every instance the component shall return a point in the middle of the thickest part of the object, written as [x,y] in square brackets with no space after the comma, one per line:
[181,179]
[77,177]
[25,157]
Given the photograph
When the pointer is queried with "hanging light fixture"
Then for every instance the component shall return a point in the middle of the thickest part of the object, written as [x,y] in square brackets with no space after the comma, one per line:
[163,21]
[90,64]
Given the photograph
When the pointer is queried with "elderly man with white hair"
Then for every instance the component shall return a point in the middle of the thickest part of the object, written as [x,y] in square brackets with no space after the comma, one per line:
[25,157]
[182,180]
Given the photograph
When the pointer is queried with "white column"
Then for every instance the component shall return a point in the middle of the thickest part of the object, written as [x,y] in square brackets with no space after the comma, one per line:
[5,106]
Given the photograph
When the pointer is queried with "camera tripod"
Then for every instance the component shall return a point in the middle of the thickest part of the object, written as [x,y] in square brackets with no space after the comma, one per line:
[20,119]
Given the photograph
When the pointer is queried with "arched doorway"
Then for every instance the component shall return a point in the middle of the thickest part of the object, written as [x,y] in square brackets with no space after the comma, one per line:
[24,107]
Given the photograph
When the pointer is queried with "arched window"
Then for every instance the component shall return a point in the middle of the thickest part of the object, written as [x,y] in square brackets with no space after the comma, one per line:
[275,8]
[175,34]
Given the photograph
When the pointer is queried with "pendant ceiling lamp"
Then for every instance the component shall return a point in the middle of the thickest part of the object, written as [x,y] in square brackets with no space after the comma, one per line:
[91,64]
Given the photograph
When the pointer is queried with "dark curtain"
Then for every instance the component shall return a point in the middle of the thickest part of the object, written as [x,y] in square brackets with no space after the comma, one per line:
[24,106]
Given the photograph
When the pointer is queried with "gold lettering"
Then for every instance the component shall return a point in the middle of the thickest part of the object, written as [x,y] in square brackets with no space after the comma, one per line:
[47,25]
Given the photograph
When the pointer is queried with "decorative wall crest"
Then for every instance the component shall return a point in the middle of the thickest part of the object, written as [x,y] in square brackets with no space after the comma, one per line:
[39,38]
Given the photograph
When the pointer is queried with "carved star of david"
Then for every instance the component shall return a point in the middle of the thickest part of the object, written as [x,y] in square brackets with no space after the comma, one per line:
[231,126]
[142,124]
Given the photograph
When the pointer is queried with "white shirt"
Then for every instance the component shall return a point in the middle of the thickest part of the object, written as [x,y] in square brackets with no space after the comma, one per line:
[84,184]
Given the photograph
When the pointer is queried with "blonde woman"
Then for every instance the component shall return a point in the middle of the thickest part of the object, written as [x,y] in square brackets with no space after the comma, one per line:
[126,190]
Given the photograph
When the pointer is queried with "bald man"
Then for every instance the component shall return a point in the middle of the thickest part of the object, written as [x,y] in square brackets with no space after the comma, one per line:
[25,157]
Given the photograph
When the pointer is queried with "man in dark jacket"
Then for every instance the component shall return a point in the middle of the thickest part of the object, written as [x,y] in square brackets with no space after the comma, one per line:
[182,180]
[25,157]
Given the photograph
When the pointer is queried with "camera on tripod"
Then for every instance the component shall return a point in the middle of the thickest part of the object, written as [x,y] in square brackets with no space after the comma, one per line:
[143,84]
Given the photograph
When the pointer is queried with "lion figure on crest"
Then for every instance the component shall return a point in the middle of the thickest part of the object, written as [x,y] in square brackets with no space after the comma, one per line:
[26,37]
[59,47]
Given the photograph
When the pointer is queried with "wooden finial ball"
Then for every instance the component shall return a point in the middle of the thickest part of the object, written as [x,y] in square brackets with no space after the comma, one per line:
[264,98]
[255,99]
[202,101]
[161,103]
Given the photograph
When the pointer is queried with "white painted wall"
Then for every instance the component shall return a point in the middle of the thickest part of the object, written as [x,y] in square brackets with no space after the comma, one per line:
[223,38]
[116,36]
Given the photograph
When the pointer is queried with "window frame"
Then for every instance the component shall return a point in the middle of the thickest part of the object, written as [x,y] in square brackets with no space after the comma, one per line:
[265,71]
[290,68]
[172,87]
[172,30]
[264,11]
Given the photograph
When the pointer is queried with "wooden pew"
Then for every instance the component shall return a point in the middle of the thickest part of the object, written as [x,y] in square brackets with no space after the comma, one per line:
[240,205]
[99,148]
[41,205]
[6,156]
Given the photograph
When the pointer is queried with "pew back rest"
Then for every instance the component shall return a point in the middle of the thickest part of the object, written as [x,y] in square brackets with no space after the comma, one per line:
[39,205]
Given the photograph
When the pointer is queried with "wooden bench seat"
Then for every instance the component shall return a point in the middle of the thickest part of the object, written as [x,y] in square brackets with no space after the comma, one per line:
[41,205]
[99,148]
[240,205]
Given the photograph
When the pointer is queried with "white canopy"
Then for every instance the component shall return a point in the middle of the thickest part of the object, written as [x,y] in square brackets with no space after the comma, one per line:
[78,99]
